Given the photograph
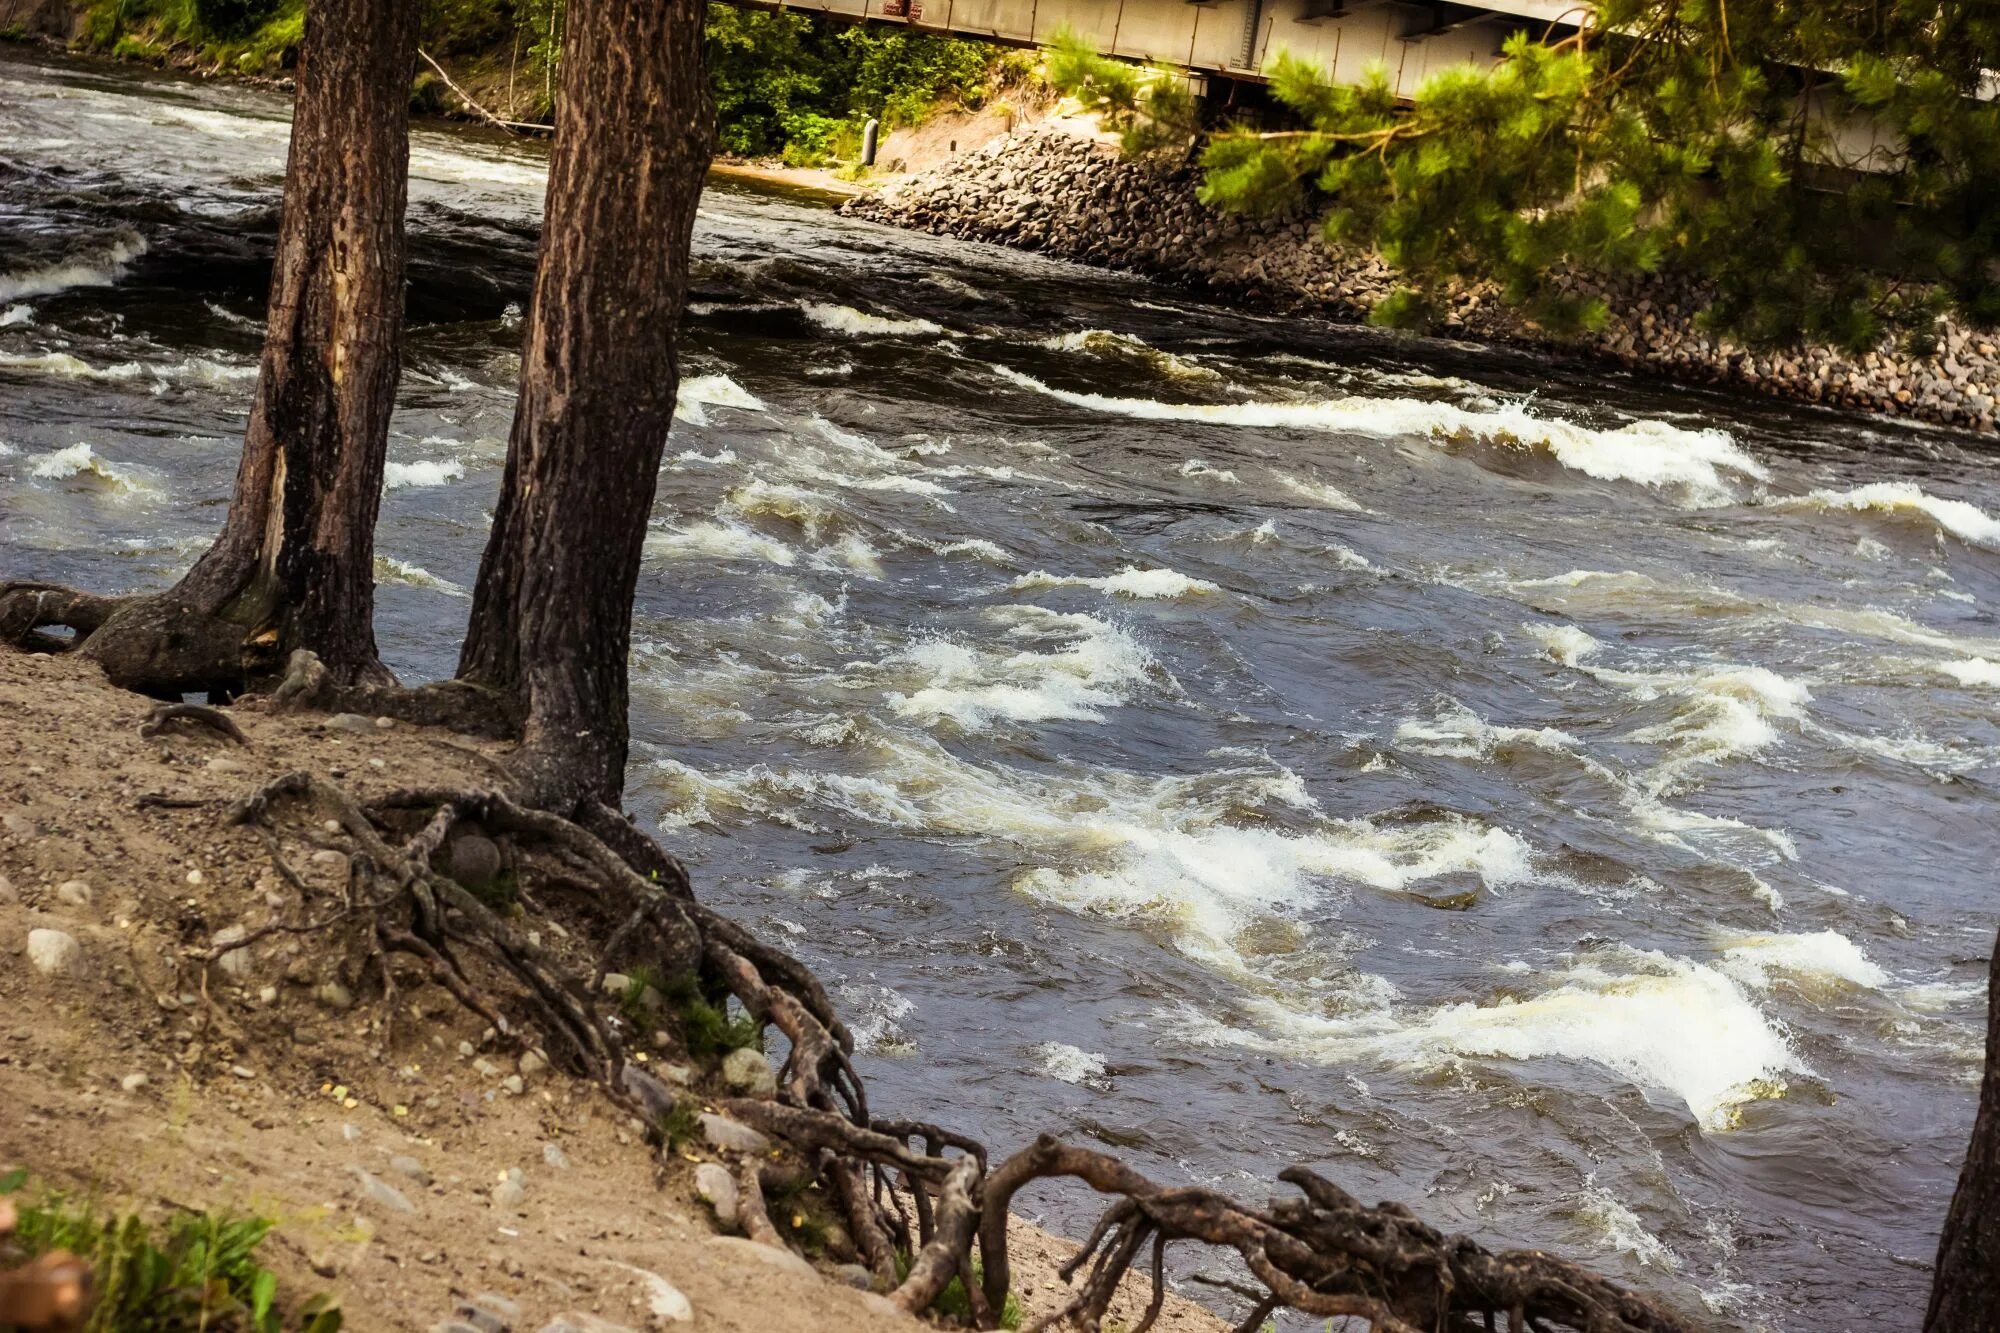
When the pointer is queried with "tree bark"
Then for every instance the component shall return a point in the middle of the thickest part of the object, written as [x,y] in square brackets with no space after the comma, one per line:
[552,612]
[294,564]
[1965,1294]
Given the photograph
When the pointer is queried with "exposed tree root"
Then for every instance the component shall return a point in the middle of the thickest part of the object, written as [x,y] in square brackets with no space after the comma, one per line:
[308,686]
[166,715]
[1323,1253]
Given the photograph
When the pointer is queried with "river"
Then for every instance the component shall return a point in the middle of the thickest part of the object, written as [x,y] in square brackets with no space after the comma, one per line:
[1559,801]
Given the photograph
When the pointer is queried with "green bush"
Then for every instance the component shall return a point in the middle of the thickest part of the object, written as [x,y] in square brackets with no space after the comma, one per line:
[195,1273]
[234,18]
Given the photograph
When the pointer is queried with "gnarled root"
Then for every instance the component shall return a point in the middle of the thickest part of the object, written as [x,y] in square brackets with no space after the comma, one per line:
[1322,1253]
[28,610]
[307,686]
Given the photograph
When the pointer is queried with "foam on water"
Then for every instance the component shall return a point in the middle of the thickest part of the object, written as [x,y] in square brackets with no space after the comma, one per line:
[80,463]
[724,539]
[1565,645]
[1458,733]
[697,392]
[1319,492]
[1071,1064]
[1131,581]
[1097,667]
[1196,467]
[1663,1023]
[1111,346]
[1972,671]
[16,315]
[1613,1224]
[100,267]
[423,472]
[1165,850]
[1651,453]
[388,569]
[1725,712]
[814,512]
[1818,960]
[845,319]
[1904,500]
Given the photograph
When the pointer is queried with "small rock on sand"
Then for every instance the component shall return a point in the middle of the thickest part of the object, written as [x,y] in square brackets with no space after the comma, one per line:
[54,952]
[782,1260]
[381,1194]
[726,1135]
[717,1188]
[747,1071]
[74,893]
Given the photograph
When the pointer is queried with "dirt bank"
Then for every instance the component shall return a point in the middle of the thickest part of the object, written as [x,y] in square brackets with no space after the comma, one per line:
[265,1082]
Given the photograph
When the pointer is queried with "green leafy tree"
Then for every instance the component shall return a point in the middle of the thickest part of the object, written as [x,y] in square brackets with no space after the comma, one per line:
[1827,171]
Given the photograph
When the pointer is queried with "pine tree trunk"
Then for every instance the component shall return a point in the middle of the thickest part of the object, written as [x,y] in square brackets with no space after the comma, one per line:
[552,613]
[294,564]
[1965,1295]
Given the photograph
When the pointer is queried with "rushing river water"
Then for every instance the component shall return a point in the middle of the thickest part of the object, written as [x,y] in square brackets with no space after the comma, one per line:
[1563,806]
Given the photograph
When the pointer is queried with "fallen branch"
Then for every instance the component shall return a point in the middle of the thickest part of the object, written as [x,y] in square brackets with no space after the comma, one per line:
[166,715]
[474,107]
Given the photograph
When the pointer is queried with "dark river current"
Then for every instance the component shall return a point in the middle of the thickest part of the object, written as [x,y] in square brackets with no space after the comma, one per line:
[1562,803]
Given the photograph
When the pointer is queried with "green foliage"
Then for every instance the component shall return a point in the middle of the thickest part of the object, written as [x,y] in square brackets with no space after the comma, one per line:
[680,1125]
[953,1304]
[193,1272]
[1721,139]
[707,1030]
[248,36]
[801,86]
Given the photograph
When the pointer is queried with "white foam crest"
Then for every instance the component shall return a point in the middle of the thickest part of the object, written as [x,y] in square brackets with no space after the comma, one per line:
[1131,581]
[1319,492]
[697,392]
[1107,345]
[1459,733]
[1726,713]
[720,458]
[423,472]
[1901,500]
[845,319]
[1619,1227]
[814,512]
[79,462]
[1196,467]
[388,569]
[1072,1064]
[70,367]
[1563,644]
[851,552]
[1817,960]
[1973,671]
[1650,453]
[1666,1024]
[1098,667]
[99,268]
[16,315]
[724,539]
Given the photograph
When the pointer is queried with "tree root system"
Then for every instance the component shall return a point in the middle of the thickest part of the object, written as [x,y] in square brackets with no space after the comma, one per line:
[917,1204]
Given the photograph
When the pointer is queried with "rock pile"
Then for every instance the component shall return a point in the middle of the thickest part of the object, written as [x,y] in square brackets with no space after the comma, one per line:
[1051,190]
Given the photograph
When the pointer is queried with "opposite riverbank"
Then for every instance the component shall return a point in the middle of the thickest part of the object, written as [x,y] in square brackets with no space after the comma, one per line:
[1060,188]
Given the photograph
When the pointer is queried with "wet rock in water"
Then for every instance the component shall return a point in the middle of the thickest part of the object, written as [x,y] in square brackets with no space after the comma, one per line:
[473,861]
[74,893]
[726,1135]
[748,1072]
[54,952]
[717,1188]
[383,1195]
